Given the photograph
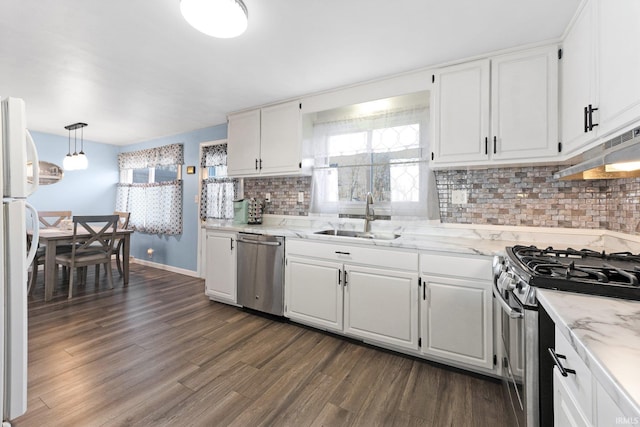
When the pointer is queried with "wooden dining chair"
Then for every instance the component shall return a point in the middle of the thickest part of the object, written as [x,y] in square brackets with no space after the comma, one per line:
[47,219]
[53,219]
[94,250]
[123,223]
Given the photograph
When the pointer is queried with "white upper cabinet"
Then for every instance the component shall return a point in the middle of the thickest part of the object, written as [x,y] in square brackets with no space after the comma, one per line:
[265,141]
[243,143]
[618,56]
[524,105]
[461,113]
[578,80]
[496,111]
[600,68]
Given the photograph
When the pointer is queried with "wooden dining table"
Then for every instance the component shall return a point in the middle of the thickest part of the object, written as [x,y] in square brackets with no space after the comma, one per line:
[52,237]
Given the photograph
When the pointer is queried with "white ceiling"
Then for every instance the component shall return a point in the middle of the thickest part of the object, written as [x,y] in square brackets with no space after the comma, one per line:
[135,70]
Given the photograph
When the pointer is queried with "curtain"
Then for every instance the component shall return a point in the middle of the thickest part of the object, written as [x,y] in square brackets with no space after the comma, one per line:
[155,208]
[384,153]
[217,191]
[160,156]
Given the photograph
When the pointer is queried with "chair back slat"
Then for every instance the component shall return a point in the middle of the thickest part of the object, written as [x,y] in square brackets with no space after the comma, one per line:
[123,219]
[52,219]
[101,230]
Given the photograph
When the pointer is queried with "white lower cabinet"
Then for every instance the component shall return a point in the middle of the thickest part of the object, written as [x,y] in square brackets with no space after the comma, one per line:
[220,276]
[362,292]
[314,292]
[456,309]
[566,410]
[381,305]
[579,399]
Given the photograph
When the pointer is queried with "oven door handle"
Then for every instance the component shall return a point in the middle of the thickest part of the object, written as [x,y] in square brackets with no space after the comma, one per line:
[514,314]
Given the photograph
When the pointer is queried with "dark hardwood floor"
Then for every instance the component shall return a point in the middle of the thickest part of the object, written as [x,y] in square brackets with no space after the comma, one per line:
[158,353]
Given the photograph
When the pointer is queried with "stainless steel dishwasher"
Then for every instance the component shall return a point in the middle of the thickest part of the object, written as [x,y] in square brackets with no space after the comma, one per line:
[261,272]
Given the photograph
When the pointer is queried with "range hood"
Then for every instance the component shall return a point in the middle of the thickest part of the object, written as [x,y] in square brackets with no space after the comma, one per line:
[601,162]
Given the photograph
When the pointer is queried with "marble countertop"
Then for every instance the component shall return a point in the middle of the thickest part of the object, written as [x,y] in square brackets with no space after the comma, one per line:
[605,332]
[425,236]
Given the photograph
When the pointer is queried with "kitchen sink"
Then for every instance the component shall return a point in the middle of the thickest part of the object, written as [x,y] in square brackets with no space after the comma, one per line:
[359,234]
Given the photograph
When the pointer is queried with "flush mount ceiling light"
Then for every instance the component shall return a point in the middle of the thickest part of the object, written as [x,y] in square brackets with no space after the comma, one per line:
[217,18]
[75,161]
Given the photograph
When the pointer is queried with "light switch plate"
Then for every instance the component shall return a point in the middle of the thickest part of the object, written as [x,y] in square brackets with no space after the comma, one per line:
[300,196]
[267,197]
[459,197]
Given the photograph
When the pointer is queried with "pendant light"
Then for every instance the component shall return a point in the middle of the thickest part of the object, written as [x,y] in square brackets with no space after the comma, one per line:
[217,18]
[67,163]
[76,160]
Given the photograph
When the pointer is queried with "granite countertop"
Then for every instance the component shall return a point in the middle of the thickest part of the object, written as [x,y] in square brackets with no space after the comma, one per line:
[605,332]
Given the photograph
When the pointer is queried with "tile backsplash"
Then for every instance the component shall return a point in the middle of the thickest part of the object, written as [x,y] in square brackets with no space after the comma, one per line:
[284,194]
[531,196]
[519,196]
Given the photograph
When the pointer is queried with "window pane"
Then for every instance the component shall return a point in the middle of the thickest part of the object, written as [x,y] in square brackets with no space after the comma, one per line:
[166,173]
[140,176]
[353,183]
[347,144]
[396,138]
[405,182]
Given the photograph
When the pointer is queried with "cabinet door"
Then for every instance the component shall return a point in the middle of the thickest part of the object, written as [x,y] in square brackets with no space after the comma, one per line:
[578,79]
[220,279]
[314,292]
[566,411]
[524,104]
[281,138]
[243,143]
[381,305]
[619,63]
[457,320]
[461,113]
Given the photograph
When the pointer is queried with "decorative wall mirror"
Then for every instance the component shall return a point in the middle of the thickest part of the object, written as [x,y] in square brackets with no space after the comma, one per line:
[50,173]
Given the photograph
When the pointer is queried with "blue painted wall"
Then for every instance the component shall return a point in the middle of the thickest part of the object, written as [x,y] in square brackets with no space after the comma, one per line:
[87,192]
[178,251]
[93,191]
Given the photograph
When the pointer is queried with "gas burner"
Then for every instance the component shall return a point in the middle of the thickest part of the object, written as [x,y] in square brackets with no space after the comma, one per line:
[587,271]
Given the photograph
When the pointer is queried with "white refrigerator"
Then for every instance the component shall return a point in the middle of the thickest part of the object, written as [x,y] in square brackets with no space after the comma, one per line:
[18,158]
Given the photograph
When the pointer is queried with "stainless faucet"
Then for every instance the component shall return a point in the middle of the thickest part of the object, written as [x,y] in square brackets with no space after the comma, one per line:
[369,214]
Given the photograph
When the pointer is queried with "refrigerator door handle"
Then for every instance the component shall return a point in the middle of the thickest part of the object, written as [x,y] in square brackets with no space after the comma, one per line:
[35,238]
[32,156]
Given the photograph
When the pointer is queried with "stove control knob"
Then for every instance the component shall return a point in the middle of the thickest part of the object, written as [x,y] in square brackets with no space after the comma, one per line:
[511,282]
[507,281]
[498,265]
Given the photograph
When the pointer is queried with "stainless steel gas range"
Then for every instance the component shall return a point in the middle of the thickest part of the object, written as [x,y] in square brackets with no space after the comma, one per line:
[528,332]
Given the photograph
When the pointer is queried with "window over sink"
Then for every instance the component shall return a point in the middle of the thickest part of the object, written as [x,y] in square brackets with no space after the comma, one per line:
[378,147]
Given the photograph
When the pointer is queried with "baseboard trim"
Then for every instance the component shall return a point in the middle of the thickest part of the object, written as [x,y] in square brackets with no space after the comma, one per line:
[178,270]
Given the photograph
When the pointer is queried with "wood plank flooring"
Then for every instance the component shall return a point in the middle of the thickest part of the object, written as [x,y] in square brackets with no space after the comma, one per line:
[159,353]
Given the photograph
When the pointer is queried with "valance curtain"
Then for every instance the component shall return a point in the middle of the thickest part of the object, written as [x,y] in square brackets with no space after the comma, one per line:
[156,208]
[385,153]
[217,192]
[150,158]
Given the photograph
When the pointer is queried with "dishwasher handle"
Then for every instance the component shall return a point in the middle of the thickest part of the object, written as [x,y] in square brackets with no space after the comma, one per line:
[258,242]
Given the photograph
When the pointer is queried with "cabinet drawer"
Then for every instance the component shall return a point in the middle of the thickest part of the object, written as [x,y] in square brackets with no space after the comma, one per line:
[452,265]
[387,258]
[579,384]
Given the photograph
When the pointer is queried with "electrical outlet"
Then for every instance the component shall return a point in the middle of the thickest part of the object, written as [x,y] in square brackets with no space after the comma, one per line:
[267,197]
[459,197]
[300,196]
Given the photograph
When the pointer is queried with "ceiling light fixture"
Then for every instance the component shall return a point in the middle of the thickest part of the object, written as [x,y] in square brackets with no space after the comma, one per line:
[217,18]
[76,161]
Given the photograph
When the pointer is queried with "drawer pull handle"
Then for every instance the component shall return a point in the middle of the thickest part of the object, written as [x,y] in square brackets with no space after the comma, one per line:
[556,361]
[343,253]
